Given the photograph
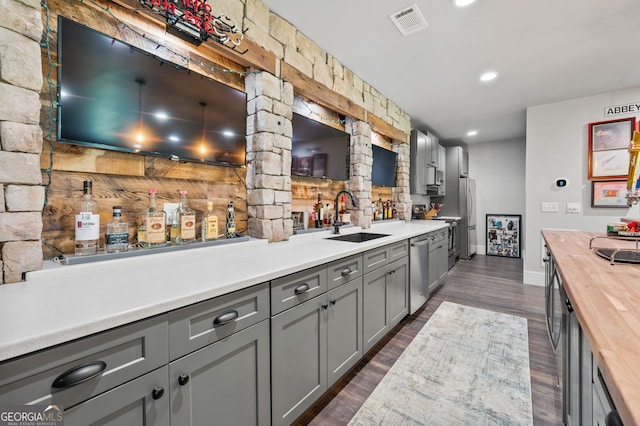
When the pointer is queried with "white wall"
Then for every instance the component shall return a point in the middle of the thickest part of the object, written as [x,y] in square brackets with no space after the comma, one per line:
[498,168]
[557,146]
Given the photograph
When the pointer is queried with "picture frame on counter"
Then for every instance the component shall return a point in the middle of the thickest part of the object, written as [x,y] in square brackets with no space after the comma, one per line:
[608,148]
[609,193]
[504,235]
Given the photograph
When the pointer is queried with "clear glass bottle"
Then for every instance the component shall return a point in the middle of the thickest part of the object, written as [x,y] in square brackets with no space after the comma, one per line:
[116,239]
[152,230]
[230,222]
[87,223]
[209,224]
[186,221]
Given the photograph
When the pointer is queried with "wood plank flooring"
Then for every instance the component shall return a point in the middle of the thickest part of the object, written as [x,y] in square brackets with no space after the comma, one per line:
[487,282]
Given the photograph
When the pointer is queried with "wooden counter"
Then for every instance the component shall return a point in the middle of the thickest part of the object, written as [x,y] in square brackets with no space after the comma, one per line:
[606,299]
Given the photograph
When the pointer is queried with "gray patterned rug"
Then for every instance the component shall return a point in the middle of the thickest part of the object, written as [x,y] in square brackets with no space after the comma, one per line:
[467,366]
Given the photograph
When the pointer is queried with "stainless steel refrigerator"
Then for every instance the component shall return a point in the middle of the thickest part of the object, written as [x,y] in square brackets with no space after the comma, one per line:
[467,204]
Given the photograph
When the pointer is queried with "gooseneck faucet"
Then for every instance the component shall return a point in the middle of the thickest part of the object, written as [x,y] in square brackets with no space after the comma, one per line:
[336,222]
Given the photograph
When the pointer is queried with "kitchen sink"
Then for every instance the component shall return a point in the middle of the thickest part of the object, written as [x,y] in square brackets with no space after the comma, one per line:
[358,237]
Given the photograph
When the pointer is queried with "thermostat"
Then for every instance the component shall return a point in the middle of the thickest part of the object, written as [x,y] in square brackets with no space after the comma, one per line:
[562,182]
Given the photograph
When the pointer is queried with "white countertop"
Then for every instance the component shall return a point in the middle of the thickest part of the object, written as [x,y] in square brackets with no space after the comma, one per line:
[57,305]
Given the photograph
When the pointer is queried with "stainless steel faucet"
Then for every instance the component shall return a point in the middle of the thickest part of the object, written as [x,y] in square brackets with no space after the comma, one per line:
[336,222]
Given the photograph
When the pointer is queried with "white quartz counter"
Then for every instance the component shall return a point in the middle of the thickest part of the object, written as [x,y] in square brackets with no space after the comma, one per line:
[61,304]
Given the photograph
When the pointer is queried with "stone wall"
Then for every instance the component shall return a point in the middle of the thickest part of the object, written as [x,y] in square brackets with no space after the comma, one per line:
[21,193]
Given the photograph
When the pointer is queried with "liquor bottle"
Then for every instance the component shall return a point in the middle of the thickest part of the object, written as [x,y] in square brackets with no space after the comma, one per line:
[116,239]
[152,230]
[186,221]
[87,222]
[318,211]
[209,224]
[379,214]
[230,222]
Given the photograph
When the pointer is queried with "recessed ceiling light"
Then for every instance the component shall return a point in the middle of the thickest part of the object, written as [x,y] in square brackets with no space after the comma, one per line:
[488,76]
[462,3]
[472,132]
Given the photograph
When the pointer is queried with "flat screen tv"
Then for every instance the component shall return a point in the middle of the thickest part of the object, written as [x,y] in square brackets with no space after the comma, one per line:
[118,97]
[319,150]
[384,167]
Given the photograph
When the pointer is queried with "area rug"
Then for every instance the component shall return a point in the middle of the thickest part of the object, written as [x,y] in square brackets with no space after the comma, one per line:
[467,366]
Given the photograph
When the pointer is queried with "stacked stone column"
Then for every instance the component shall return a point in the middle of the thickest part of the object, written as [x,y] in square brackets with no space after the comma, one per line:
[361,162]
[269,132]
[401,192]
[21,191]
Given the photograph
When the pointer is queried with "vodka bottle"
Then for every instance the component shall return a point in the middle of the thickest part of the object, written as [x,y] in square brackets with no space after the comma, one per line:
[230,222]
[152,230]
[186,221]
[209,224]
[116,238]
[87,223]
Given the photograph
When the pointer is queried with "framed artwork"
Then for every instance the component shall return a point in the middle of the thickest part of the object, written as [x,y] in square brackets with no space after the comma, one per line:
[609,193]
[503,235]
[608,148]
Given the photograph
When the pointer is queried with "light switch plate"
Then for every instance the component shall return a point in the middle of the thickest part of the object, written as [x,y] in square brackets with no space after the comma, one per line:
[573,207]
[549,207]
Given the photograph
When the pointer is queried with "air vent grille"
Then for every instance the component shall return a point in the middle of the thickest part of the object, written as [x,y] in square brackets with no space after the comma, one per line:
[409,20]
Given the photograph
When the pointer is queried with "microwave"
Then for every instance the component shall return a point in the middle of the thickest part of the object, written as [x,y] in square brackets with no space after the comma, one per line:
[435,177]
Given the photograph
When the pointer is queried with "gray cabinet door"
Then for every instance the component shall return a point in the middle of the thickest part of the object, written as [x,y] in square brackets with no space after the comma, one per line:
[376,318]
[443,261]
[397,291]
[344,322]
[298,359]
[433,267]
[130,404]
[225,383]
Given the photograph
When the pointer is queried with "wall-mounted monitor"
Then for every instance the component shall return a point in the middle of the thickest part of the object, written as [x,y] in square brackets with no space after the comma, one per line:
[319,150]
[384,167]
[115,96]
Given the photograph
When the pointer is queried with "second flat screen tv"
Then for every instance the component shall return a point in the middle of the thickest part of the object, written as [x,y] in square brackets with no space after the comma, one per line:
[384,167]
[319,150]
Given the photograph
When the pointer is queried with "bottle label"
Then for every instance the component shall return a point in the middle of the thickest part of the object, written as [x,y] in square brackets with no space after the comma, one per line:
[87,226]
[211,230]
[116,239]
[188,226]
[156,232]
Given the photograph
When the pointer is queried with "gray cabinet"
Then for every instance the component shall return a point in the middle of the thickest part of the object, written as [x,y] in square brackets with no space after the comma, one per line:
[433,151]
[418,163]
[386,293]
[438,259]
[226,383]
[316,341]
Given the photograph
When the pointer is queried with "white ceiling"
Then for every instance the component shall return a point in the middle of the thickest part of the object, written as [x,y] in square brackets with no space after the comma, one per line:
[544,51]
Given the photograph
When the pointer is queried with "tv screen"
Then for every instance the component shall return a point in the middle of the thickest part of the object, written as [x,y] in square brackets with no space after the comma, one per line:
[319,150]
[384,167]
[115,96]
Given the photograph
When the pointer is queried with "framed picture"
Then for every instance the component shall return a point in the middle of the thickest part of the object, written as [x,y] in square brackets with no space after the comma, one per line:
[609,193]
[503,235]
[608,148]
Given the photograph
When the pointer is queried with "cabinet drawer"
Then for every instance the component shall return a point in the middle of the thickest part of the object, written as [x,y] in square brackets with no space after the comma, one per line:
[127,352]
[398,250]
[196,326]
[289,291]
[374,259]
[344,270]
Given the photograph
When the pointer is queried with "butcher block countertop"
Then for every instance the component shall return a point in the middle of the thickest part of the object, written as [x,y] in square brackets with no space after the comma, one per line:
[606,299]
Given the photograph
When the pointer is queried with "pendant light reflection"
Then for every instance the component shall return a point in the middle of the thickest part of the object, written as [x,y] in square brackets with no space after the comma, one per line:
[140,131]
[203,150]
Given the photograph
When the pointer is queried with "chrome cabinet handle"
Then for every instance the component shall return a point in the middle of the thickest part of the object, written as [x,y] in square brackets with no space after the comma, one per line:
[79,374]
[301,288]
[225,318]
[346,271]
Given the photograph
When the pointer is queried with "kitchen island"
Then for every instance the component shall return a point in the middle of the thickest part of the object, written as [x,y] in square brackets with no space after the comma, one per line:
[606,300]
[64,303]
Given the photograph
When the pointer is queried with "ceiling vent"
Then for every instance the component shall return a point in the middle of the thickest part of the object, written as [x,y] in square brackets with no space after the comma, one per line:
[409,20]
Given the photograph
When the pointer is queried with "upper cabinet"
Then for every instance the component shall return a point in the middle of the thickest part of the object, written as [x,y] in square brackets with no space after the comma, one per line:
[427,157]
[433,152]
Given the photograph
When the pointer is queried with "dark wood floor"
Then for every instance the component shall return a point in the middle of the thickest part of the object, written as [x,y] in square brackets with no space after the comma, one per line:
[487,282]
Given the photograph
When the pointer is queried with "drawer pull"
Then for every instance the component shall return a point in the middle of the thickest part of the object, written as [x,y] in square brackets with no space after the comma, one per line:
[225,318]
[183,379]
[346,271]
[157,392]
[79,374]
[301,288]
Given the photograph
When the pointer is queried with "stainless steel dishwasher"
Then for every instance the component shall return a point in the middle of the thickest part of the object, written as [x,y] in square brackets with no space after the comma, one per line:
[418,272]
